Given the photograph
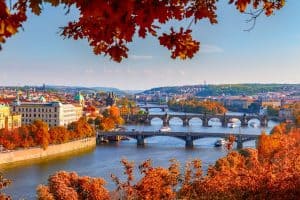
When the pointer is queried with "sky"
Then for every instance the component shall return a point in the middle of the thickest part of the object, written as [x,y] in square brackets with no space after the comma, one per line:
[270,53]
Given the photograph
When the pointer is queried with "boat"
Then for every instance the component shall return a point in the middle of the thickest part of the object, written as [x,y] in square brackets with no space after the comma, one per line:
[232,125]
[165,129]
[220,142]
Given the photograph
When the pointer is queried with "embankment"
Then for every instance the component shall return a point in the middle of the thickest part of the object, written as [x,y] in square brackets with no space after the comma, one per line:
[20,155]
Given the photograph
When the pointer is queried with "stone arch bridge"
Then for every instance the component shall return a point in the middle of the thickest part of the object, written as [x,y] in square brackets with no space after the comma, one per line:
[189,138]
[205,118]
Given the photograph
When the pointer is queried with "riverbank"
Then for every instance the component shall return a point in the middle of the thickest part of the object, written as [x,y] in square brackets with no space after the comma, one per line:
[22,155]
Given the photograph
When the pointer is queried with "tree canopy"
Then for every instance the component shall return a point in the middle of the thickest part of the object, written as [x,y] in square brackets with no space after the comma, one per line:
[109,25]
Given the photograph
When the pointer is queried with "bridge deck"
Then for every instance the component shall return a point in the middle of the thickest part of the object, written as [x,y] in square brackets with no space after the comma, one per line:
[176,134]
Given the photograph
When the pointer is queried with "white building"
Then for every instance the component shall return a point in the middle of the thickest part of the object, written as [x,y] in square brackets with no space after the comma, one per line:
[53,113]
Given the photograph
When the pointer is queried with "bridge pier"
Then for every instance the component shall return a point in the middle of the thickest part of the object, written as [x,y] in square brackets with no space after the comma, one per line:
[205,122]
[189,143]
[239,145]
[224,121]
[185,122]
[239,142]
[264,122]
[147,121]
[166,123]
[140,141]
[244,121]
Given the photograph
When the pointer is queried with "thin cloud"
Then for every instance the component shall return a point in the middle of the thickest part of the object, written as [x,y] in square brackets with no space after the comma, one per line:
[208,48]
[140,57]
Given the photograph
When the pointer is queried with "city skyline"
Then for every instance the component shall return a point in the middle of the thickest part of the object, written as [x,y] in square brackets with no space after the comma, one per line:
[267,54]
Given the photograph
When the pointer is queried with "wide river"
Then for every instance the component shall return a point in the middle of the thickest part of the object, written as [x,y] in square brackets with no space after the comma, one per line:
[105,159]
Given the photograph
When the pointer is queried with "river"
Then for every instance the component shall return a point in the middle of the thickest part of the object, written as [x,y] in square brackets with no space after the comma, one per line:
[105,158]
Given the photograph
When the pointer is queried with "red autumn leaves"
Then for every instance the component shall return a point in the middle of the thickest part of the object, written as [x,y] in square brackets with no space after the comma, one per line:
[109,25]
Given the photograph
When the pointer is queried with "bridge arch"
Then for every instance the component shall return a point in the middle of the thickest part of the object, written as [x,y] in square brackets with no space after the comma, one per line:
[253,122]
[176,121]
[215,121]
[234,120]
[156,120]
[165,140]
[195,121]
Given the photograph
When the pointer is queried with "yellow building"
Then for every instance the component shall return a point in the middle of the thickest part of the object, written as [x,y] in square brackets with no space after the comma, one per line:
[7,119]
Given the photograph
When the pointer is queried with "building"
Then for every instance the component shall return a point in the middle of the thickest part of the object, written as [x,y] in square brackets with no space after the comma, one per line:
[111,99]
[237,103]
[53,113]
[79,99]
[8,120]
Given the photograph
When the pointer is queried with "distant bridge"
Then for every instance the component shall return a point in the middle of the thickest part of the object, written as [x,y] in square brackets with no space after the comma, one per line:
[205,118]
[188,137]
[148,107]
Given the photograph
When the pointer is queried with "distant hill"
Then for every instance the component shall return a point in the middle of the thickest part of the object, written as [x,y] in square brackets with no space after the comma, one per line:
[91,89]
[226,89]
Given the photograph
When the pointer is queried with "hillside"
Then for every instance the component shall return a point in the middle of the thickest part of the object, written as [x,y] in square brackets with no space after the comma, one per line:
[226,89]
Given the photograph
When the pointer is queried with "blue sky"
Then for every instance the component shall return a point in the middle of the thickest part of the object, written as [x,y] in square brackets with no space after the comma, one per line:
[269,53]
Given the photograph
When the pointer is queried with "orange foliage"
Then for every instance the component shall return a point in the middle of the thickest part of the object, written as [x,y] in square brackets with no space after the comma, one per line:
[197,106]
[64,185]
[38,134]
[270,172]
[109,26]
[111,119]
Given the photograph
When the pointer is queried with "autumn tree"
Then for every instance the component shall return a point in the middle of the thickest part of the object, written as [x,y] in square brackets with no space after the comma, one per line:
[111,119]
[40,130]
[64,185]
[59,134]
[156,182]
[38,134]
[81,128]
[196,106]
[109,25]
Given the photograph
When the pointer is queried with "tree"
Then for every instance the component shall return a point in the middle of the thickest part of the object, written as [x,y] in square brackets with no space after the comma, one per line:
[109,25]
[65,185]
[81,129]
[59,135]
[42,136]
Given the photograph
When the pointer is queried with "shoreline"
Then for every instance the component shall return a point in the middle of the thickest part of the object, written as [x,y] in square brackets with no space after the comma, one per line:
[22,156]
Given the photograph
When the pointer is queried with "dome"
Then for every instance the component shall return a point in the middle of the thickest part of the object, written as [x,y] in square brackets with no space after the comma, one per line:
[42,99]
[79,97]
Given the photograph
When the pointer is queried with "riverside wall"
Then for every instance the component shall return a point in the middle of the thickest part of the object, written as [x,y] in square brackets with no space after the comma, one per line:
[16,156]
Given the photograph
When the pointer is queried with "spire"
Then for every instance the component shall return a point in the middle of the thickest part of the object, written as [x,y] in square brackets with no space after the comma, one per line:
[17,96]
